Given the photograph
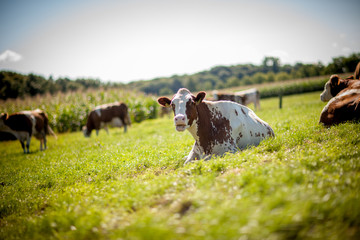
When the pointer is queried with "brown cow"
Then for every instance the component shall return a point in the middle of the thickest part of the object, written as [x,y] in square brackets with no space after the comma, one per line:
[344,96]
[113,114]
[25,124]
[335,85]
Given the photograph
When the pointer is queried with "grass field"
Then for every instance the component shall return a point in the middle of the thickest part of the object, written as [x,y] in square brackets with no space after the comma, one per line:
[303,184]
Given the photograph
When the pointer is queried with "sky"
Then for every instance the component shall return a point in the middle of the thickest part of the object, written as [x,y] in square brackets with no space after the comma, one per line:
[129,40]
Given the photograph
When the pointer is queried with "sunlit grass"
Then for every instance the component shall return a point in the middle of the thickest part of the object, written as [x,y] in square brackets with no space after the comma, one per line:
[304,183]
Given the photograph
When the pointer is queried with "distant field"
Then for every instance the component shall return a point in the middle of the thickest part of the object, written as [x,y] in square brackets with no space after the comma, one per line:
[303,184]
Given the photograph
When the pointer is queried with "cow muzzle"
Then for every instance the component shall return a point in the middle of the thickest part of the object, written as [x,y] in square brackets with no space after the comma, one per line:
[180,123]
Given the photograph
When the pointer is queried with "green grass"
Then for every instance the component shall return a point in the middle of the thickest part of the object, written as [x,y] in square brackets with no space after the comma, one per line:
[303,184]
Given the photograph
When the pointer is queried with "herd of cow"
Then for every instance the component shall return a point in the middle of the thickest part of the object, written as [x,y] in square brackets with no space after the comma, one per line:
[221,125]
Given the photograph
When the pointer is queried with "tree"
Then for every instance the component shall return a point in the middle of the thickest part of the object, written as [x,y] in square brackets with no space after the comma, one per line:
[271,64]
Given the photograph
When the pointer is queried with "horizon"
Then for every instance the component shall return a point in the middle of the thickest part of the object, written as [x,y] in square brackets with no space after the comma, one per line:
[129,41]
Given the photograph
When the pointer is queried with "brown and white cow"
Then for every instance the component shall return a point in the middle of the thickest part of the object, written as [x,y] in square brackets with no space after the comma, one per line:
[335,85]
[344,98]
[23,125]
[242,97]
[217,126]
[112,114]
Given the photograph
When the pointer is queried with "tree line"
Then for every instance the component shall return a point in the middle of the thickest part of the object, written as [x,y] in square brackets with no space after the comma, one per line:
[14,85]
[271,70]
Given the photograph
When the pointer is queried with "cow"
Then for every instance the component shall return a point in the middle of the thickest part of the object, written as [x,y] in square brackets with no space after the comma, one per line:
[218,127]
[344,98]
[25,124]
[335,85]
[243,97]
[113,114]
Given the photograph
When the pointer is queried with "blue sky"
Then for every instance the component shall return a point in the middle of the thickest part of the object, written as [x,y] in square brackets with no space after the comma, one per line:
[130,40]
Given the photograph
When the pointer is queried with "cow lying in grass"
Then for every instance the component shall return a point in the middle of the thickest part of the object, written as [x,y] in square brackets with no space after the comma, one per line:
[23,125]
[217,126]
[113,114]
[344,98]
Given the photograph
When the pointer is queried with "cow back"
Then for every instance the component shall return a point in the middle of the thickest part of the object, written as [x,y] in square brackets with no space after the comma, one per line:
[19,122]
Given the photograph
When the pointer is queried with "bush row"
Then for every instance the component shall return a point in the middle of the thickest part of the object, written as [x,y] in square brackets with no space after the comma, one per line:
[293,88]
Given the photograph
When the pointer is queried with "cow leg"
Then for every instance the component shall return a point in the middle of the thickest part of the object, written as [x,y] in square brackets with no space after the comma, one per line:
[106,129]
[28,143]
[125,128]
[23,146]
[97,132]
[194,154]
[45,142]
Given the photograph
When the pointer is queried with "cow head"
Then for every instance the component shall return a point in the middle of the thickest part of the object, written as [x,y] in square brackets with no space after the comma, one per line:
[184,106]
[327,94]
[86,132]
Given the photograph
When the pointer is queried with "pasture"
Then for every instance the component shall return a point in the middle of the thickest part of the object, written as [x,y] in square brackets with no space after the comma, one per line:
[304,183]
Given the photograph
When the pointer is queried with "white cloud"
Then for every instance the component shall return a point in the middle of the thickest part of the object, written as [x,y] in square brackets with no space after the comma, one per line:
[10,56]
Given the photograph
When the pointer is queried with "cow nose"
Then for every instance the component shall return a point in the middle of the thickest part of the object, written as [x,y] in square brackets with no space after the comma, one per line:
[180,118]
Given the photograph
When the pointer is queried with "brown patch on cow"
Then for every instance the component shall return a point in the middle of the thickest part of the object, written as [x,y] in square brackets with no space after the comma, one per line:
[270,132]
[213,128]
[342,109]
[19,122]
[238,139]
[338,85]
[243,111]
[236,113]
[251,134]
[191,112]
[257,134]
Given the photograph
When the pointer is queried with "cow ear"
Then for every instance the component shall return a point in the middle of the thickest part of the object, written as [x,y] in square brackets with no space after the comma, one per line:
[164,101]
[199,97]
[335,80]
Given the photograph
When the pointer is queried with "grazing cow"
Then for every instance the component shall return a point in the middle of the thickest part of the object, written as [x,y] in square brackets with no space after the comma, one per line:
[217,126]
[344,96]
[113,114]
[25,124]
[243,97]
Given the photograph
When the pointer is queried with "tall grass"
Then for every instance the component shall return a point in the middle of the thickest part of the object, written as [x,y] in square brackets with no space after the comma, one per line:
[302,184]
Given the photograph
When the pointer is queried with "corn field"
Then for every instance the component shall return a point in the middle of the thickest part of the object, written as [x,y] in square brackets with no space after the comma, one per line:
[68,112]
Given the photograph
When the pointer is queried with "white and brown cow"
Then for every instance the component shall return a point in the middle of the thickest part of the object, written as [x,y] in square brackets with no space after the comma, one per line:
[242,97]
[217,126]
[112,114]
[23,125]
[344,98]
[335,85]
